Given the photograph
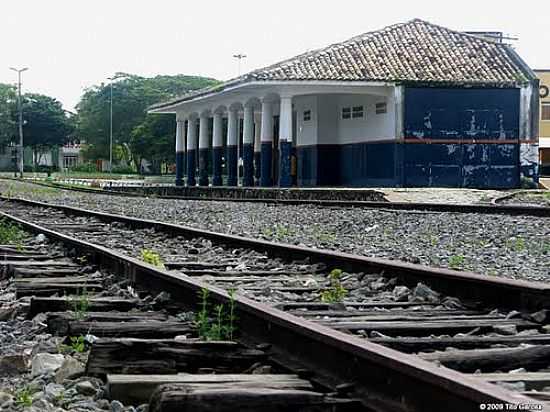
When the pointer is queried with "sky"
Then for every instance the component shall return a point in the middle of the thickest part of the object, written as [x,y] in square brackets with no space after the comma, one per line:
[70,45]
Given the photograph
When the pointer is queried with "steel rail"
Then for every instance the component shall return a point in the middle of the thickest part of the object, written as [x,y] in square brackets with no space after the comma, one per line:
[498,291]
[384,379]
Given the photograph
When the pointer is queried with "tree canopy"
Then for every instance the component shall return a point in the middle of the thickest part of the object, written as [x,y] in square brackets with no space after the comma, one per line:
[45,123]
[147,136]
[8,105]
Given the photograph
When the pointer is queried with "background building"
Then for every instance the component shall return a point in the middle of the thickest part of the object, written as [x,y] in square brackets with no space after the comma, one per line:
[544,128]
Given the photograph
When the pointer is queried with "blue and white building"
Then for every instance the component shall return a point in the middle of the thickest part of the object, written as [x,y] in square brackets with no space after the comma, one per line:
[413,104]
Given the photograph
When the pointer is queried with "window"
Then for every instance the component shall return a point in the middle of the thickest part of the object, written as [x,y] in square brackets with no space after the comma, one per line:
[355,112]
[346,113]
[545,111]
[381,108]
[70,161]
[307,115]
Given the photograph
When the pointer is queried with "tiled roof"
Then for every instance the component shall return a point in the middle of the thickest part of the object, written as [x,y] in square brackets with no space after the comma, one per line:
[412,51]
[416,51]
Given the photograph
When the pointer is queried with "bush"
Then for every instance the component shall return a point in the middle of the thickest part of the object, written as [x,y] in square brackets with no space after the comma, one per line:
[85,167]
[123,169]
[39,169]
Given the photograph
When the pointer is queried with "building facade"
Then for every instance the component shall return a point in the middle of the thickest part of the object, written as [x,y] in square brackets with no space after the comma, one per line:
[544,127]
[413,104]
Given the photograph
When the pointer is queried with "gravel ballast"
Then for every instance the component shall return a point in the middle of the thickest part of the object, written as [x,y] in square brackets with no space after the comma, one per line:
[496,245]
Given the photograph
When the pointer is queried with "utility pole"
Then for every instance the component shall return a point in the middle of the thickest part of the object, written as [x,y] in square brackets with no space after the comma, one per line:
[239,57]
[20,109]
[111,129]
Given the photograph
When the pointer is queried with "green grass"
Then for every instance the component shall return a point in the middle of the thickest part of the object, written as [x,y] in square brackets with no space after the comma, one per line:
[11,233]
[153,258]
[456,262]
[216,323]
[23,397]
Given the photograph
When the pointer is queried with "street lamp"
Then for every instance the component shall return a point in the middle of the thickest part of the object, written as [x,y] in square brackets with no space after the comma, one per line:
[20,108]
[239,57]
[115,77]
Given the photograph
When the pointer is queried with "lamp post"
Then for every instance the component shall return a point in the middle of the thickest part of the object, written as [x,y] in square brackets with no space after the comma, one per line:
[111,128]
[239,57]
[20,109]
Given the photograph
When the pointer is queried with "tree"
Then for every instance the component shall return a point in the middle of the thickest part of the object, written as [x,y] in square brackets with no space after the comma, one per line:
[131,96]
[45,123]
[8,114]
[154,139]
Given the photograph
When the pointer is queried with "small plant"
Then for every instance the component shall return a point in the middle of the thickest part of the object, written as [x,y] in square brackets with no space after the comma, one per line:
[456,261]
[153,258]
[11,233]
[77,343]
[81,305]
[23,397]
[516,244]
[337,292]
[220,326]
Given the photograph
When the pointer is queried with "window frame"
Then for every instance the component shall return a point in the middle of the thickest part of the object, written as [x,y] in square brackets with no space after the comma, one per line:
[352,112]
[544,105]
[307,115]
[381,108]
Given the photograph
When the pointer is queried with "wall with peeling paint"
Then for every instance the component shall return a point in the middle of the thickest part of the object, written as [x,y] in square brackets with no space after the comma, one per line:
[461,137]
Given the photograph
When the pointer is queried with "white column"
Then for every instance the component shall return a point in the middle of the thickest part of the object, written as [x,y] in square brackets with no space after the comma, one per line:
[285,120]
[192,133]
[203,132]
[232,127]
[179,135]
[267,122]
[217,130]
[257,133]
[248,126]
[232,148]
[285,141]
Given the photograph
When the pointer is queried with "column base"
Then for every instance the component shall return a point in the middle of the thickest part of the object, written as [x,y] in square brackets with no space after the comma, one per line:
[191,166]
[217,166]
[231,165]
[257,165]
[248,165]
[284,172]
[203,167]
[179,168]
[266,158]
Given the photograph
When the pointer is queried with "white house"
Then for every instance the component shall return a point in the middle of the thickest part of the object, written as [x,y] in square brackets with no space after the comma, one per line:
[413,104]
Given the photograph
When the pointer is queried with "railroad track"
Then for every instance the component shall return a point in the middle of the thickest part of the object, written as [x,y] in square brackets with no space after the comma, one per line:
[490,208]
[421,312]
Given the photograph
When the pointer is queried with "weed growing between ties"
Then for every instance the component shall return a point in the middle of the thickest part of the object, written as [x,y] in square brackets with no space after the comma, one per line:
[219,324]
[11,233]
[81,305]
[153,258]
[77,343]
[336,292]
[23,397]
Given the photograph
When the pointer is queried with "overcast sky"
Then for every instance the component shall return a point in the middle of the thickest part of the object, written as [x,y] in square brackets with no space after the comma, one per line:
[73,44]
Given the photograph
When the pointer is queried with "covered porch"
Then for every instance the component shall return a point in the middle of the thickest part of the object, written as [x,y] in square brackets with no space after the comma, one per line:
[288,133]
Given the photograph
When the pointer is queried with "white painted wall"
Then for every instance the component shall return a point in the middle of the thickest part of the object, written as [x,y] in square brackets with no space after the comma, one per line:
[306,131]
[327,126]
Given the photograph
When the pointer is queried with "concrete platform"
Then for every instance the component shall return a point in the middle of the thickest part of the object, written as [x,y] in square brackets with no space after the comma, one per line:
[271,193]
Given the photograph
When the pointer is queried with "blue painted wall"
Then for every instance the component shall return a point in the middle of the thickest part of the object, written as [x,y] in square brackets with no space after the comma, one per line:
[352,165]
[440,128]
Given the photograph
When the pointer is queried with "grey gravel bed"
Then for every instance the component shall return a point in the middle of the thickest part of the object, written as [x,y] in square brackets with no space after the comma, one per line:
[496,245]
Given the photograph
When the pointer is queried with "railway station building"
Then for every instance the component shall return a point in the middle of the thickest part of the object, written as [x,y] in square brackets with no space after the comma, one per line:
[410,105]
